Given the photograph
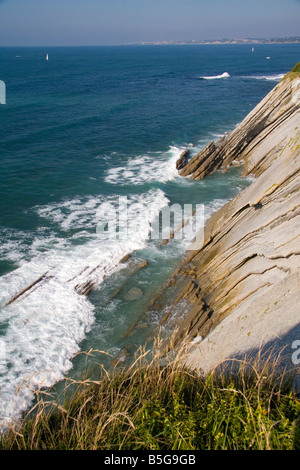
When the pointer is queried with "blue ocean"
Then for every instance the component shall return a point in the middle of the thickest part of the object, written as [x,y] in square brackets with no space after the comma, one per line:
[87,130]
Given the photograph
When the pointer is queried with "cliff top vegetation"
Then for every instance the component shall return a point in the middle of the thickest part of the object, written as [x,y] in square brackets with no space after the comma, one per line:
[152,406]
[294,73]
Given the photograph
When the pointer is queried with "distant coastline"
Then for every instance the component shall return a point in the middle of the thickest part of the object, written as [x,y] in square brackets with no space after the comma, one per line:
[286,40]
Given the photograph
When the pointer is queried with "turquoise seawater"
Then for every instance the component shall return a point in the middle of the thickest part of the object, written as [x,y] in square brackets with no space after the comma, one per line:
[80,132]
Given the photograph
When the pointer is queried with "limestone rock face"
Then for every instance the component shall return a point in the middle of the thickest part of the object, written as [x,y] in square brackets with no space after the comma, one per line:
[246,292]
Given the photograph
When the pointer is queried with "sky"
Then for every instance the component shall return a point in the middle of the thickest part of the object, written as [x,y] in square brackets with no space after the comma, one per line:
[113,22]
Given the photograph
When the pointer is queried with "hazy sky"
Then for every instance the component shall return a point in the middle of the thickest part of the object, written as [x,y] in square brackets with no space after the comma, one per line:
[97,22]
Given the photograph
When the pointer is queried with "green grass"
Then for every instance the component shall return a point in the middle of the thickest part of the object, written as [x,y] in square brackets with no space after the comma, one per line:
[296,68]
[155,407]
[294,73]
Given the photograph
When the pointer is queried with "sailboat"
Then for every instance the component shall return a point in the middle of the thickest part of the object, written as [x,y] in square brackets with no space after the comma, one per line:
[47,57]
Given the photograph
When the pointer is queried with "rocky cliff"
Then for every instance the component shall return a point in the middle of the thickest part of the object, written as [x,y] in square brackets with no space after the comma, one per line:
[241,291]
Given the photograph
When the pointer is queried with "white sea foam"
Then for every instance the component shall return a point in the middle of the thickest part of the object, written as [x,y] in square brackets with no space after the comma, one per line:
[216,77]
[142,169]
[273,77]
[72,214]
[42,331]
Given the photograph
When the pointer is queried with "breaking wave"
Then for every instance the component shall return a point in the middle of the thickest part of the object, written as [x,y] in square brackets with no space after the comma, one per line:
[216,77]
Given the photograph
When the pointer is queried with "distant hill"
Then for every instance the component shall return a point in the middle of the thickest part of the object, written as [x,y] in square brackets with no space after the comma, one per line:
[286,40]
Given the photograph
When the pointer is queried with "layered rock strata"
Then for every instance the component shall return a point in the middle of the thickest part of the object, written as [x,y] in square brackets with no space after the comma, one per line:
[268,120]
[241,290]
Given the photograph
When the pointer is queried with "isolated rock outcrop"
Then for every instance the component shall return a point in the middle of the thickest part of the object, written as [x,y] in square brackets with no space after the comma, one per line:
[182,160]
[245,292]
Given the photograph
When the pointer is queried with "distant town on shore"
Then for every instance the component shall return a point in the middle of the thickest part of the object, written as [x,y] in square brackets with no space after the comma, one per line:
[286,40]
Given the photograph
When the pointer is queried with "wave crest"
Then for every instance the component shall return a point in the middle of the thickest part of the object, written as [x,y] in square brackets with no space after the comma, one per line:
[216,77]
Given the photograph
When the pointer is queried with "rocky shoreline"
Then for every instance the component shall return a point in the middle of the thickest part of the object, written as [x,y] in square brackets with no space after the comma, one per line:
[240,293]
